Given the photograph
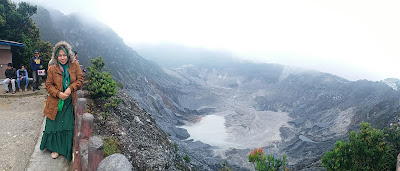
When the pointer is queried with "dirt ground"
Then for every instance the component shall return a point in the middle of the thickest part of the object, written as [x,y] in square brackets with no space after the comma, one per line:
[20,125]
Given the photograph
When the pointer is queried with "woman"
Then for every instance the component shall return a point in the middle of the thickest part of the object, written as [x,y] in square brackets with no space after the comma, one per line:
[63,80]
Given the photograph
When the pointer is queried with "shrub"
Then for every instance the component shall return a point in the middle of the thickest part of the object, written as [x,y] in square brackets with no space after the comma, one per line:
[392,136]
[225,166]
[176,147]
[110,105]
[339,158]
[101,84]
[186,158]
[111,145]
[366,150]
[266,163]
[105,115]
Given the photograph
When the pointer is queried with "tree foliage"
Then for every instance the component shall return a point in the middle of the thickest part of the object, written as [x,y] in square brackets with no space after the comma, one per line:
[367,150]
[101,84]
[16,25]
[393,137]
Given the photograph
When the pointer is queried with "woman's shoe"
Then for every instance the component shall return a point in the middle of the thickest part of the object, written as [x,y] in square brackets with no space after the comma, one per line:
[54,155]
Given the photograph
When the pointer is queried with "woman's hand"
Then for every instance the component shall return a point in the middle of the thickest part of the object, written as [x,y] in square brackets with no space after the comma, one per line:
[67,91]
[63,96]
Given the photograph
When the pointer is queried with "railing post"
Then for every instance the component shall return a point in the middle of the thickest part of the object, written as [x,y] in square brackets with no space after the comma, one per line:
[86,126]
[79,94]
[96,153]
[80,108]
[83,151]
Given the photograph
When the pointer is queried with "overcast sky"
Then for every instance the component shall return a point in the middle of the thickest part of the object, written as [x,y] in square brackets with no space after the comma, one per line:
[355,39]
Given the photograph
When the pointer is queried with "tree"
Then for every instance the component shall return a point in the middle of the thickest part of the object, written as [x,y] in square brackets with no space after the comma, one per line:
[339,158]
[393,137]
[16,25]
[366,150]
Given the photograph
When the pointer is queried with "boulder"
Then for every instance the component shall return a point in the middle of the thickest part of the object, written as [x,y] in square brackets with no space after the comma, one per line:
[115,162]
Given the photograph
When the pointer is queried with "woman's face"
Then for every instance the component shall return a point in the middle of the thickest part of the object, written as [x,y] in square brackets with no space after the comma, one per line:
[62,57]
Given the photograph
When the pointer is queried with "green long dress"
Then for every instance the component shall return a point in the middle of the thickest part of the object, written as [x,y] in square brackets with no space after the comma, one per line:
[58,134]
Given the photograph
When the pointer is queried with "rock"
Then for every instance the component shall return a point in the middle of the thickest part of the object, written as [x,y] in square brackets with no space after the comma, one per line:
[138,120]
[95,152]
[143,143]
[115,162]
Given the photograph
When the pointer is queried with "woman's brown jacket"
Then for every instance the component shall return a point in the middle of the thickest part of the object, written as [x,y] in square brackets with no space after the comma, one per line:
[55,79]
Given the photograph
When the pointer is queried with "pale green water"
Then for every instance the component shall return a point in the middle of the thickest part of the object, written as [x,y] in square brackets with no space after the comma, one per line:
[247,129]
[210,130]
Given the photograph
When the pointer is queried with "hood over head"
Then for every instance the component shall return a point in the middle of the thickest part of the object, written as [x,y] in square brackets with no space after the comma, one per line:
[64,45]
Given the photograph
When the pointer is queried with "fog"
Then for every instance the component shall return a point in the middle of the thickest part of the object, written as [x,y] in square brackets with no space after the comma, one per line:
[162,53]
[353,39]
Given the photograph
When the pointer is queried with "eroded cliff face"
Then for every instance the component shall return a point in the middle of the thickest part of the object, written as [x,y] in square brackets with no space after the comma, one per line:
[285,110]
[143,142]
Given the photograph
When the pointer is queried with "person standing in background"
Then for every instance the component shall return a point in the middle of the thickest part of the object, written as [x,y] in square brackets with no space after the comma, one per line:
[76,56]
[36,64]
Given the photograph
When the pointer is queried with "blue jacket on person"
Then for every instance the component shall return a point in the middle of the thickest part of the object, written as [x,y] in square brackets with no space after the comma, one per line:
[35,65]
[22,73]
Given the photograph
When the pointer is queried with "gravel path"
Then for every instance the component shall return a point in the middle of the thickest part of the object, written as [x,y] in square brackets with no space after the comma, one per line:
[21,120]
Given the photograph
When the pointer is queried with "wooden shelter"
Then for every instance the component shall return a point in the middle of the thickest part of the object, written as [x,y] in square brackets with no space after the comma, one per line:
[6,54]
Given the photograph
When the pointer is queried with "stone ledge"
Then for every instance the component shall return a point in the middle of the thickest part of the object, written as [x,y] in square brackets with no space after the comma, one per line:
[23,93]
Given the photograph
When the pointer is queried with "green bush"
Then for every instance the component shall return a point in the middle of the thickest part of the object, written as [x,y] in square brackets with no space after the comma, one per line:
[101,84]
[110,106]
[176,147]
[186,158]
[366,150]
[111,145]
[266,163]
[113,102]
[225,166]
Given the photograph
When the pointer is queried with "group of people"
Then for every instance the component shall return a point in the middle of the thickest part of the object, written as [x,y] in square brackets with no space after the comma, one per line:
[21,75]
[64,78]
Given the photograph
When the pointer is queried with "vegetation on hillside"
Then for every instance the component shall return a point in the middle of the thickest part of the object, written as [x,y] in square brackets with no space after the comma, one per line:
[103,88]
[369,149]
[263,162]
[101,84]
[111,145]
[16,25]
